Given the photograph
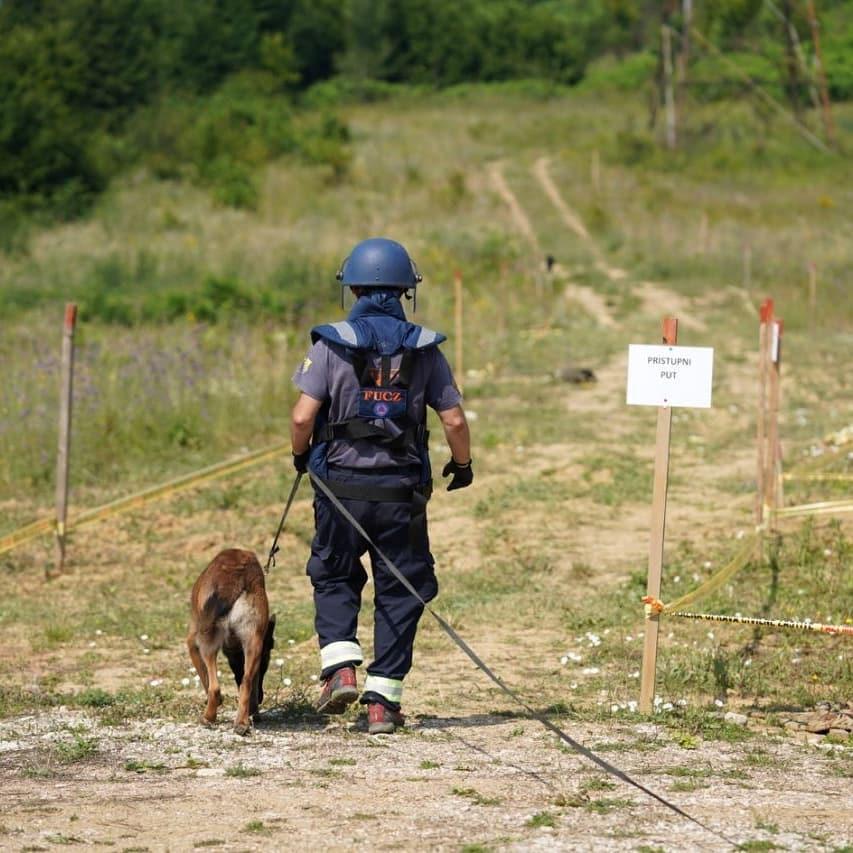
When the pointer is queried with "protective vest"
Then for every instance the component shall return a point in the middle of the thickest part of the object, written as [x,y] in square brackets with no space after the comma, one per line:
[382,416]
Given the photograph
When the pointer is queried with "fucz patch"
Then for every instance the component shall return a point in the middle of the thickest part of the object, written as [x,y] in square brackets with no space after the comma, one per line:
[381,402]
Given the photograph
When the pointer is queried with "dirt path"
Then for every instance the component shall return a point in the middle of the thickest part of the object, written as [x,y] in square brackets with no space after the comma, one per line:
[656,299]
[572,220]
[451,781]
[519,217]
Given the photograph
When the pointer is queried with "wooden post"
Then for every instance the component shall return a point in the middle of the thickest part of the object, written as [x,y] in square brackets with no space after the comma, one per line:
[652,625]
[765,319]
[669,97]
[64,446]
[828,123]
[812,295]
[457,300]
[772,455]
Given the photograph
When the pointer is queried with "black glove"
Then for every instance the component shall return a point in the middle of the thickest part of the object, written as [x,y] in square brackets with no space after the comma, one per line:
[300,461]
[463,475]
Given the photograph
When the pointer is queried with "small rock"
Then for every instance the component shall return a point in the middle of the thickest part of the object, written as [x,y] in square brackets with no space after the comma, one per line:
[842,733]
[822,723]
[813,738]
[210,771]
[736,719]
[792,726]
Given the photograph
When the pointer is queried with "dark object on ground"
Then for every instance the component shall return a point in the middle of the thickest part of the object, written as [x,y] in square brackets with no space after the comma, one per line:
[576,375]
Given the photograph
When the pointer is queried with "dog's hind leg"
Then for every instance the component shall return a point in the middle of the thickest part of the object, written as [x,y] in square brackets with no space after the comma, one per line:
[195,657]
[214,694]
[248,686]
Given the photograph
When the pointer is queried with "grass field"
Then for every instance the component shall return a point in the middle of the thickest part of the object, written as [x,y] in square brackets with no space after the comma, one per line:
[542,562]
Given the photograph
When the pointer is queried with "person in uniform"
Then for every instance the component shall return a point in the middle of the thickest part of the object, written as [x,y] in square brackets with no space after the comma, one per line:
[359,425]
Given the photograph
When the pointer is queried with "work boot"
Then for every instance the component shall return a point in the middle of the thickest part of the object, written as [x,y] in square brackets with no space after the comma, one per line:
[382,720]
[339,691]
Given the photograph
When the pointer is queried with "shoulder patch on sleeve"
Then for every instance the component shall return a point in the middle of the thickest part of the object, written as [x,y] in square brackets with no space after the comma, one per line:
[306,364]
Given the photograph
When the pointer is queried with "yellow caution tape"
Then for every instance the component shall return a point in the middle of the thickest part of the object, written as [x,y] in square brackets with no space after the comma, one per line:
[820,478]
[740,559]
[24,534]
[821,508]
[179,484]
[772,623]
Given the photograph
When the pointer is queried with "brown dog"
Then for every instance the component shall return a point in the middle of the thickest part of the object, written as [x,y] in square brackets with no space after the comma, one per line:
[229,611]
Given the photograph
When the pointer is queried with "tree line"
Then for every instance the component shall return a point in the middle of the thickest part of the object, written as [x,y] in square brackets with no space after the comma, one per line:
[77,74]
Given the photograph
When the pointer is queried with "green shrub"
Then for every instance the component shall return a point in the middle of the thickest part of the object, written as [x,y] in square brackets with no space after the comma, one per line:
[628,74]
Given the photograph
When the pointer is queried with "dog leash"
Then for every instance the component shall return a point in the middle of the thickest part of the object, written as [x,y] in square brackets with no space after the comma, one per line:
[274,548]
[483,667]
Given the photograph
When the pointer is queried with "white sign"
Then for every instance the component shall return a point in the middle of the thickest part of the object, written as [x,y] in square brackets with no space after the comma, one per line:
[670,376]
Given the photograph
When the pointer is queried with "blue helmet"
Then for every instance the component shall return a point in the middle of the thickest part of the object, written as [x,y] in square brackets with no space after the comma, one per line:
[378,262]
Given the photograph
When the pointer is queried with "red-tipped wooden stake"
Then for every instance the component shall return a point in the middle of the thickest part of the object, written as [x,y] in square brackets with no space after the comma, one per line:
[64,445]
[765,315]
[772,458]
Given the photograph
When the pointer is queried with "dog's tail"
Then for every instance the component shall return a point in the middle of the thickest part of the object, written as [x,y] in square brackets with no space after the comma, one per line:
[212,611]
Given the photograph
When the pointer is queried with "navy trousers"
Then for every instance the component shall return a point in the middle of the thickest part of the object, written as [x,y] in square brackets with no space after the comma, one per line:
[338,576]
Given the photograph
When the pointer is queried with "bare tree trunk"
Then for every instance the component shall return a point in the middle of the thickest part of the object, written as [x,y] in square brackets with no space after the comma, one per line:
[794,83]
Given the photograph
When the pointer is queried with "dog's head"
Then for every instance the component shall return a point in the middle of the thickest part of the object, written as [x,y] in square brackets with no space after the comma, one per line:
[269,645]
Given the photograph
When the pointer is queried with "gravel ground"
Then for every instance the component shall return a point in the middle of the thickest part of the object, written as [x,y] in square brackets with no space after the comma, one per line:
[475,782]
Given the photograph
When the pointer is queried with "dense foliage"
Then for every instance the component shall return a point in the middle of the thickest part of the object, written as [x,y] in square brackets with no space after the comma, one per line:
[93,85]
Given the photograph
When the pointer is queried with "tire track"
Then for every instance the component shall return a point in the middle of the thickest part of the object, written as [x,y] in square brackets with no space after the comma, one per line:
[656,298]
[593,303]
[519,217]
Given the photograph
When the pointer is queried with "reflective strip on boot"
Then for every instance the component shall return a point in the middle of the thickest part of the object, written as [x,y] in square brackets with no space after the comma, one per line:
[390,688]
[343,651]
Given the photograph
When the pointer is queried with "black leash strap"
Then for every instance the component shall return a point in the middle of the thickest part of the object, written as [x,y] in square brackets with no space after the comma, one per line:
[480,664]
[274,548]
